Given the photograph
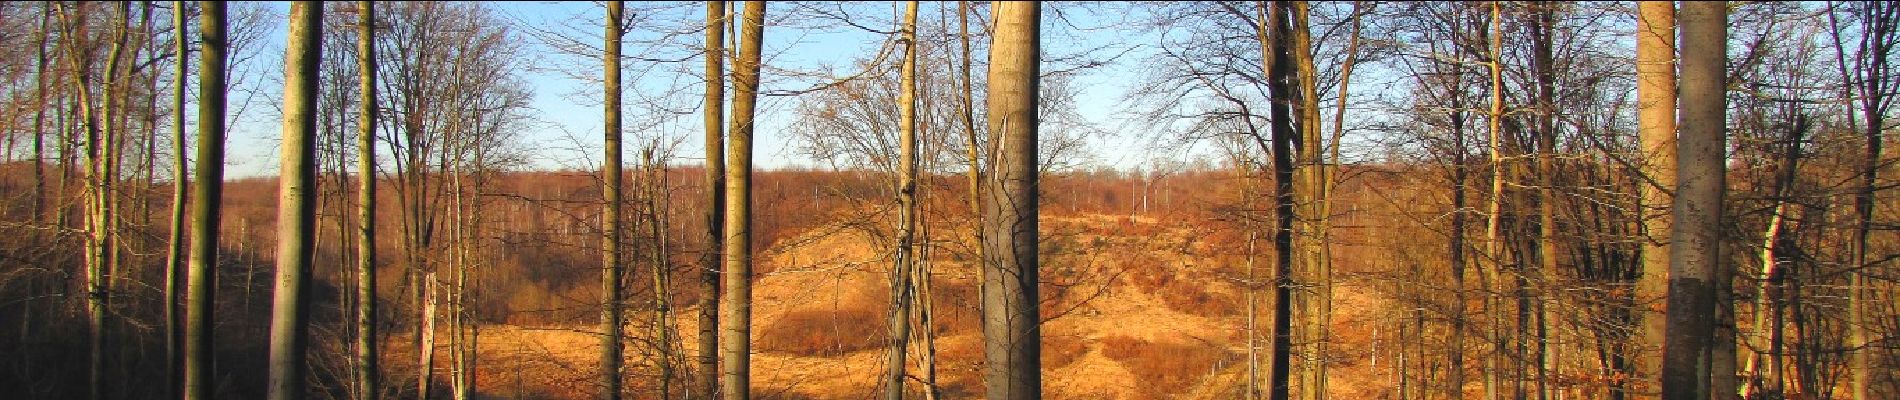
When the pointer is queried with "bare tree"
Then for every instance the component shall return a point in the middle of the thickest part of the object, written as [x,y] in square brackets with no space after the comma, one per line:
[1872,76]
[102,251]
[901,269]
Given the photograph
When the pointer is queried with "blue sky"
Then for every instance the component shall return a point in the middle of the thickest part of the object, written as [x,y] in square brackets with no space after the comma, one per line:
[570,118]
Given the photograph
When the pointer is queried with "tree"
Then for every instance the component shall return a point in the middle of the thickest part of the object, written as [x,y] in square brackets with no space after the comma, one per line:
[101,171]
[205,212]
[654,188]
[1494,217]
[714,111]
[368,373]
[296,209]
[449,86]
[1011,335]
[175,251]
[1696,235]
[610,171]
[1871,75]
[1275,38]
[1312,180]
[735,326]
[905,260]
[1656,114]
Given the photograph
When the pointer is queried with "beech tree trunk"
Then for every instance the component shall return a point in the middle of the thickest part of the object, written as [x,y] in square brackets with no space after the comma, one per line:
[368,373]
[1011,322]
[707,382]
[1696,237]
[1656,131]
[205,212]
[1494,249]
[1312,268]
[175,249]
[735,327]
[610,174]
[296,207]
[1275,35]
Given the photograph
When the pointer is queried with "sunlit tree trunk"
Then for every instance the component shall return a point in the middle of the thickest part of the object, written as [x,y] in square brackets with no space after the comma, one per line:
[425,336]
[1695,238]
[1313,269]
[205,212]
[1776,256]
[296,207]
[1011,338]
[175,249]
[610,174]
[707,383]
[99,174]
[1656,131]
[894,357]
[1494,209]
[735,327]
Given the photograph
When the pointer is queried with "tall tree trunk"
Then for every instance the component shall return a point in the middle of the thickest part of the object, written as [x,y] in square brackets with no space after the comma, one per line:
[1695,241]
[1494,210]
[296,207]
[1312,267]
[610,174]
[1722,351]
[368,374]
[205,213]
[1011,334]
[1656,131]
[735,328]
[175,249]
[1544,38]
[1281,79]
[901,269]
[707,383]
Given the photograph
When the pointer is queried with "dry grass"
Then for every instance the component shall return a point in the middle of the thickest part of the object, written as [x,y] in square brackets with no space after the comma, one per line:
[1165,368]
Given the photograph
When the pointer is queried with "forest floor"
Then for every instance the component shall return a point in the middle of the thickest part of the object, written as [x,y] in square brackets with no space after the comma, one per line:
[1133,310]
